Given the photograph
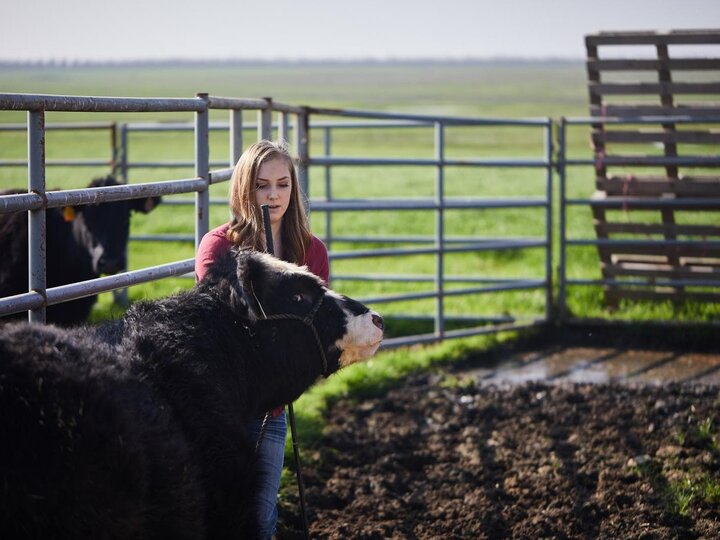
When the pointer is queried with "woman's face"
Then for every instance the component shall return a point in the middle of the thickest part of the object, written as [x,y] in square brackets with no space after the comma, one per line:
[273,187]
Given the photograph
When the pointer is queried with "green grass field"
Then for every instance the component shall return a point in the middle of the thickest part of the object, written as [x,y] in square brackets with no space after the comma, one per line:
[500,90]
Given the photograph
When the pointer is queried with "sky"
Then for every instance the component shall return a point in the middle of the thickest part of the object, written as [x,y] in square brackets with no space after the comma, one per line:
[98,30]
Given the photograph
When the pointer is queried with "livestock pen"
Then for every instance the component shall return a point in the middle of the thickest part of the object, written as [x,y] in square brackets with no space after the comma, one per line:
[448,209]
[453,451]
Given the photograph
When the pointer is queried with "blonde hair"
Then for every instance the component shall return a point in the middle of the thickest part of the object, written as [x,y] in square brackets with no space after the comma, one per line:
[246,228]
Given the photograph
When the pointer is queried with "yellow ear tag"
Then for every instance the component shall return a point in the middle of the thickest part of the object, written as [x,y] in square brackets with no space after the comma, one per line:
[68,213]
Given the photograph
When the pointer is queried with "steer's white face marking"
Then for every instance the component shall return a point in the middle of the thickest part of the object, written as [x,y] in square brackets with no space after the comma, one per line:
[362,337]
[361,340]
[96,253]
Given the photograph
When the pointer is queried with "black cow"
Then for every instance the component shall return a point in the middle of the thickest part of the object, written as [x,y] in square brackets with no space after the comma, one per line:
[82,243]
[136,429]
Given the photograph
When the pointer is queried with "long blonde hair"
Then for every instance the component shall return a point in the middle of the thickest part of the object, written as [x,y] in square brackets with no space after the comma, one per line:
[246,228]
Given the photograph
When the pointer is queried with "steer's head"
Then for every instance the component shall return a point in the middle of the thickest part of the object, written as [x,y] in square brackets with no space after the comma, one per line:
[102,229]
[266,288]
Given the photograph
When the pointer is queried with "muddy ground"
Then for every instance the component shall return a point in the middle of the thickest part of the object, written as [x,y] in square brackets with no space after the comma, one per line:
[453,455]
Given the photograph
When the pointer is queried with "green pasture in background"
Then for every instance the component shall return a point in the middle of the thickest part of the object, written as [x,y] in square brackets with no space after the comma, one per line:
[478,89]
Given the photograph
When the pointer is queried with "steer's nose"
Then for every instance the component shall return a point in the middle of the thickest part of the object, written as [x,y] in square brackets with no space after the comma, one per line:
[378,321]
[107,265]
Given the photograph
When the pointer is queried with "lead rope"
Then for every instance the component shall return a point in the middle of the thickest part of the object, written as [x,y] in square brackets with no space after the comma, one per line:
[263,429]
[266,419]
[291,413]
[308,321]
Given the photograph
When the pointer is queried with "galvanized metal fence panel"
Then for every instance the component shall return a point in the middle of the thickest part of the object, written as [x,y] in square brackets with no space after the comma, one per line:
[300,129]
[38,200]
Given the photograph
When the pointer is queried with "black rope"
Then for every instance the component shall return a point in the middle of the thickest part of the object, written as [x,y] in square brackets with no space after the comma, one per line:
[263,429]
[291,413]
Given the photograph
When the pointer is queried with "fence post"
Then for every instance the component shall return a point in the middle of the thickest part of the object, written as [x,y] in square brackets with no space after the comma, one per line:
[115,148]
[283,128]
[202,170]
[548,220]
[120,296]
[440,227]
[264,124]
[236,135]
[327,146]
[37,230]
[302,144]
[562,309]
[124,152]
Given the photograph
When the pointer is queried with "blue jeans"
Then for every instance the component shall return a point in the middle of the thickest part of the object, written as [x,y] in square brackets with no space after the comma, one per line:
[270,463]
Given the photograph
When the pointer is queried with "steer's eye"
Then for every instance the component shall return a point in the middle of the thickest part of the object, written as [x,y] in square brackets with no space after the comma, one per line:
[297,298]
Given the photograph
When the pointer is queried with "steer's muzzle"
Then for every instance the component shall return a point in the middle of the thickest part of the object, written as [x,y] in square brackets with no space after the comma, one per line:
[109,265]
[378,321]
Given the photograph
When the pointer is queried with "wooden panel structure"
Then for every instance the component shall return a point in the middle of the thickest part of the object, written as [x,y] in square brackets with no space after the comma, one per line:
[657,174]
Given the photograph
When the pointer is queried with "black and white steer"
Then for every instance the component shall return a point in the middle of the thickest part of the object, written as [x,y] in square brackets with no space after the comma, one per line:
[83,242]
[136,429]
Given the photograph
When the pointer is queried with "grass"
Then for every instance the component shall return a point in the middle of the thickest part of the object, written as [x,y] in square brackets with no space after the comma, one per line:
[487,89]
[681,489]
[452,89]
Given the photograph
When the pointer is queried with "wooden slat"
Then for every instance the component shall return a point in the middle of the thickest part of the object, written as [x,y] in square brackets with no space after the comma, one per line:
[675,37]
[601,202]
[675,64]
[664,271]
[633,258]
[640,203]
[702,264]
[643,88]
[702,261]
[645,186]
[706,262]
[632,111]
[662,294]
[626,160]
[664,250]
[657,228]
[694,136]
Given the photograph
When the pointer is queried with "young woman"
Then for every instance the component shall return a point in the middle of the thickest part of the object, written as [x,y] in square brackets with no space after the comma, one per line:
[265,174]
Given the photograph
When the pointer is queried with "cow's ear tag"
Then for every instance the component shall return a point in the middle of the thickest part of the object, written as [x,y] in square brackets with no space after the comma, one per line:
[68,213]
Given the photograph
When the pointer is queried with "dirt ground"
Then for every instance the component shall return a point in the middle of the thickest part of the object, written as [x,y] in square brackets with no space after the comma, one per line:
[459,454]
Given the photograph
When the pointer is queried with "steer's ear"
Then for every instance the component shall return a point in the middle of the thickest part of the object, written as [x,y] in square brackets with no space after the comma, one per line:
[145,205]
[243,296]
[249,281]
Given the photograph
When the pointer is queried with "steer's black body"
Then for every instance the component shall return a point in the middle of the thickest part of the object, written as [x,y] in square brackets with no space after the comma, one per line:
[82,242]
[136,429]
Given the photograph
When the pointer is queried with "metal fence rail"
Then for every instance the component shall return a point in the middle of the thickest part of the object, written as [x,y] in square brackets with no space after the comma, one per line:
[331,206]
[439,204]
[293,123]
[299,125]
[109,127]
[38,199]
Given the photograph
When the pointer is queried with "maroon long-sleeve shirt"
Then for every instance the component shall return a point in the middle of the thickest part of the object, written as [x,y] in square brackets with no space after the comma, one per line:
[215,243]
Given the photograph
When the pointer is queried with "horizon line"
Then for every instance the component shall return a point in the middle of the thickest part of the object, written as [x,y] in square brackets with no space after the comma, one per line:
[67,62]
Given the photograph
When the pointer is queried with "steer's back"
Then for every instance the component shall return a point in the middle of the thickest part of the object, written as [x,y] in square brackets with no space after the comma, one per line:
[80,444]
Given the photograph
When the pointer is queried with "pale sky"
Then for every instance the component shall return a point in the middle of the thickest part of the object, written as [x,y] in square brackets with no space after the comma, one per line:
[321,29]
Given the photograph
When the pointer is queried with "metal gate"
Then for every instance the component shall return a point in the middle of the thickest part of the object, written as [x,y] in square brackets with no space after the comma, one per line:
[299,125]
